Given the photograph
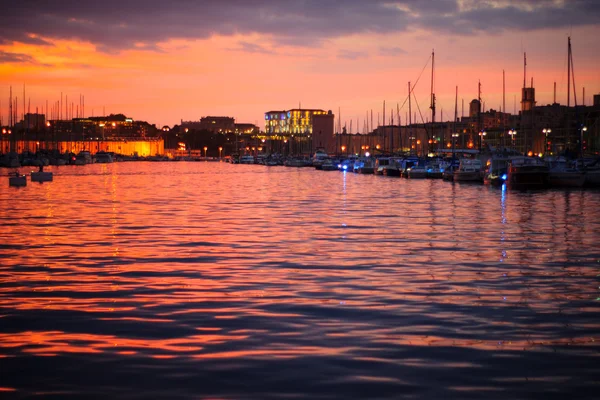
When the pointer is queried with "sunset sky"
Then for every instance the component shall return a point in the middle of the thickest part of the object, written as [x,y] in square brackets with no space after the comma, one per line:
[166,61]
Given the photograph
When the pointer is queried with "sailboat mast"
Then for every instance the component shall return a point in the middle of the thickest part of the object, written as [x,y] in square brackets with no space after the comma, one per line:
[431,139]
[503,109]
[569,73]
[410,137]
[479,115]
[384,125]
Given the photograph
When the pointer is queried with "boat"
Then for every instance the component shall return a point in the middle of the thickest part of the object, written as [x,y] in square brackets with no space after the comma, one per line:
[380,165]
[592,173]
[41,176]
[406,164]
[103,157]
[329,165]
[469,170]
[17,179]
[393,168]
[416,172]
[563,174]
[366,167]
[527,173]
[318,158]
[297,162]
[448,174]
[436,169]
[495,172]
[83,158]
[247,159]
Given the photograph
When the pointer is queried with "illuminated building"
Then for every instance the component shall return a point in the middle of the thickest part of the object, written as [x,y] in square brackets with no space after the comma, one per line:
[294,121]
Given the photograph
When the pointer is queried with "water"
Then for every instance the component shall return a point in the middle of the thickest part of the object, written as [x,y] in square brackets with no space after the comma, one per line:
[211,280]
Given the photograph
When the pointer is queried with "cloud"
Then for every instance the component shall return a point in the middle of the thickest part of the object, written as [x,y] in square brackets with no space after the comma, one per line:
[391,51]
[249,47]
[350,55]
[125,24]
[17,58]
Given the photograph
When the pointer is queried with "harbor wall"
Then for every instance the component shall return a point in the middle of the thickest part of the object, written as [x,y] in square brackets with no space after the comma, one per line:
[142,148]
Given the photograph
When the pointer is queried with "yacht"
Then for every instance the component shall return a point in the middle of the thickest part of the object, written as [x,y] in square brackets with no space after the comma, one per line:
[469,170]
[103,157]
[527,173]
[564,174]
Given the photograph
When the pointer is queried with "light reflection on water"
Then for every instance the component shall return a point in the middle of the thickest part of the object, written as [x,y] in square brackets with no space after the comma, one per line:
[182,280]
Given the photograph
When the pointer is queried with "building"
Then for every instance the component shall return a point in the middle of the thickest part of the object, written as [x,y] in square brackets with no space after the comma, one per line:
[294,121]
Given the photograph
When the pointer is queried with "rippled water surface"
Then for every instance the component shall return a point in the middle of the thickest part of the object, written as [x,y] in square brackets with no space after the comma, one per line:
[211,280]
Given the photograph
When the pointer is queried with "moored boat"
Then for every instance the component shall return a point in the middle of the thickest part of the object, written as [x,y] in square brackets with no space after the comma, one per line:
[469,170]
[563,174]
[17,179]
[527,173]
[41,176]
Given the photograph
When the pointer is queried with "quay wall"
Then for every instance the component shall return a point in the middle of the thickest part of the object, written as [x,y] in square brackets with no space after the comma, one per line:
[142,148]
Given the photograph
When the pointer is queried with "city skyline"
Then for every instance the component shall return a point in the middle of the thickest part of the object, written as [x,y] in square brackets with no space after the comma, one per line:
[164,63]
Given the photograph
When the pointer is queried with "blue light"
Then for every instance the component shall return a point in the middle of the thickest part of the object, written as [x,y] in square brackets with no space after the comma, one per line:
[345,167]
[503,177]
[339,165]
[441,169]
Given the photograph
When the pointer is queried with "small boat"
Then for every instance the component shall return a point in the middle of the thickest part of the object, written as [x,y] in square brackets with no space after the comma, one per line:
[436,169]
[416,172]
[319,158]
[448,174]
[393,168]
[527,173]
[367,167]
[561,174]
[329,165]
[247,159]
[41,176]
[17,179]
[469,170]
[103,157]
[380,165]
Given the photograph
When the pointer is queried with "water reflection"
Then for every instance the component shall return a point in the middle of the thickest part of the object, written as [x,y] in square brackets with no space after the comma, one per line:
[234,281]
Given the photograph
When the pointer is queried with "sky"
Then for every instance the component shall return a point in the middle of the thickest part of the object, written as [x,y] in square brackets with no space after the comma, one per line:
[164,62]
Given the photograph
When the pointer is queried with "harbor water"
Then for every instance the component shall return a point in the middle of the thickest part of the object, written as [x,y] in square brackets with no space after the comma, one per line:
[211,280]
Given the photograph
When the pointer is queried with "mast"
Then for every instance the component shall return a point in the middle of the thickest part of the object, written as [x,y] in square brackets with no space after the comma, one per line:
[479,114]
[503,109]
[384,125]
[432,101]
[409,119]
[554,102]
[569,73]
[455,118]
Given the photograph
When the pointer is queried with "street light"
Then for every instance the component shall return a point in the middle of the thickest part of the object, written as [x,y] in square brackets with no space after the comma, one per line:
[512,134]
[343,149]
[546,132]
[454,136]
[481,137]
[220,149]
[205,148]
[582,129]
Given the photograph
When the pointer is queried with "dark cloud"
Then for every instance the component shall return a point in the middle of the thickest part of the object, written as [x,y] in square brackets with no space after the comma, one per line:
[116,25]
[11,58]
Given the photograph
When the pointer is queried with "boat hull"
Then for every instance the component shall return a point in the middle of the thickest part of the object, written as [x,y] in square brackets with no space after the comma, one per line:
[17,181]
[527,179]
[566,179]
[473,176]
[391,172]
[41,177]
